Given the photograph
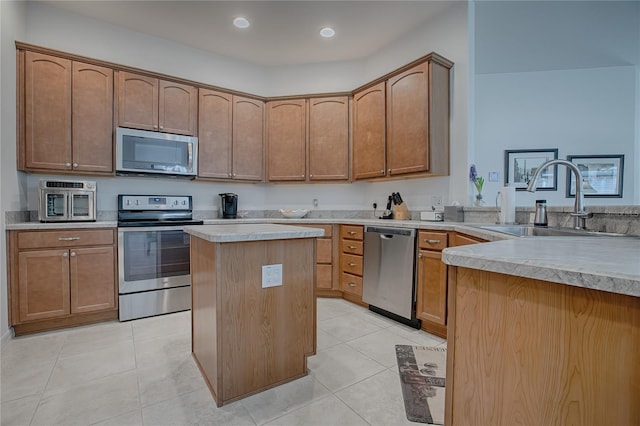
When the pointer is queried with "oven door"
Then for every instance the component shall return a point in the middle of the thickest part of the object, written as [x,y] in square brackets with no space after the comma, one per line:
[152,258]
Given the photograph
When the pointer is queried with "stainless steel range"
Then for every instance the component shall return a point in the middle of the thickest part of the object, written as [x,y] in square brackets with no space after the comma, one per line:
[153,254]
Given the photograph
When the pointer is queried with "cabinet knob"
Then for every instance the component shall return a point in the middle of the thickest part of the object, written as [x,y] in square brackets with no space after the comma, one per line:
[419,254]
[233,174]
[382,172]
[67,164]
[65,254]
[301,176]
[73,254]
[75,165]
[155,126]
[161,127]
[389,170]
[230,174]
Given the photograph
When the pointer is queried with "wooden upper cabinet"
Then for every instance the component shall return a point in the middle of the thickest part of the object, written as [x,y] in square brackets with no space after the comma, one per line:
[47,112]
[178,107]
[248,139]
[137,101]
[408,121]
[92,100]
[214,134]
[286,140]
[150,104]
[329,138]
[369,133]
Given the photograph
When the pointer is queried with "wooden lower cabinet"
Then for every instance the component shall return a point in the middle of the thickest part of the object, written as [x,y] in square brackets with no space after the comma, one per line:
[61,278]
[431,298]
[326,275]
[351,252]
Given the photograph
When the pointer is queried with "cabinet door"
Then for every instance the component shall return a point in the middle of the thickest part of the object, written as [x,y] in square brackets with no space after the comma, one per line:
[324,277]
[408,121]
[214,134]
[92,97]
[43,284]
[92,279]
[47,112]
[248,139]
[178,108]
[137,101]
[286,140]
[369,133]
[329,138]
[432,287]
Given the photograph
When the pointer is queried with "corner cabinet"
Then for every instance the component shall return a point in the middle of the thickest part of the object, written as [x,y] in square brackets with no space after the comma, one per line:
[61,278]
[65,115]
[149,103]
[413,104]
[230,136]
[286,140]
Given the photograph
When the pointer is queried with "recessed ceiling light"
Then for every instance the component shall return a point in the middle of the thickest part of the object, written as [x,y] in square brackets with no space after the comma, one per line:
[327,32]
[241,22]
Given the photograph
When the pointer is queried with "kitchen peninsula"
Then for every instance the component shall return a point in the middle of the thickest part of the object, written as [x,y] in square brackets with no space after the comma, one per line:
[253,305]
[544,331]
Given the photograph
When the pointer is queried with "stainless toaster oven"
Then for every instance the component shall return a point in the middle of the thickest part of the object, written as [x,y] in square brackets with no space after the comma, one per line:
[66,201]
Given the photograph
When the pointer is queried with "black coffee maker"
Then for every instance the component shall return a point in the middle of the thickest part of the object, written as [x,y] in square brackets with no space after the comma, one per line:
[229,203]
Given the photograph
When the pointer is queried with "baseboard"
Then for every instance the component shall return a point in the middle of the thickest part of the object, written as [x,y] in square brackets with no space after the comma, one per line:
[6,336]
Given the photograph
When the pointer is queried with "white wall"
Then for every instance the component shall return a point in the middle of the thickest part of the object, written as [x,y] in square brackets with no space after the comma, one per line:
[445,34]
[557,75]
[13,183]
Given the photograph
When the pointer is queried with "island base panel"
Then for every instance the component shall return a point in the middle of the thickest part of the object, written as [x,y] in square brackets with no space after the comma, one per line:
[524,351]
[247,338]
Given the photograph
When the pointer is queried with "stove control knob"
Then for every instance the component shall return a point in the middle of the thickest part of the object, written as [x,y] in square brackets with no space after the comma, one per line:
[175,203]
[184,203]
[128,202]
[137,202]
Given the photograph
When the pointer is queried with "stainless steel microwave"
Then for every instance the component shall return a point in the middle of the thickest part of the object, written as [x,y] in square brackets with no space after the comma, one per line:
[142,151]
[67,201]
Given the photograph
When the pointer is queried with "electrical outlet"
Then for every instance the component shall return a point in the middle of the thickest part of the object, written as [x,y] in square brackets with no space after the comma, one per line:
[436,200]
[271,275]
[315,202]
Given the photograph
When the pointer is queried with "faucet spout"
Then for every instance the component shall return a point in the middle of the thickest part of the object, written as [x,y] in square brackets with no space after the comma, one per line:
[579,214]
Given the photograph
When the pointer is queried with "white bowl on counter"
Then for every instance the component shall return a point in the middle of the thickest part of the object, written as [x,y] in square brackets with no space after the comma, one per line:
[294,214]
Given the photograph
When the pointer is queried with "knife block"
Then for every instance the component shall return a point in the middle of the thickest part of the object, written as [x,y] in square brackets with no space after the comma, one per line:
[401,212]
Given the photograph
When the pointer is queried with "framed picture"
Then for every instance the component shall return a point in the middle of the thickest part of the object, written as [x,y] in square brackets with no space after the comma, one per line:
[601,175]
[521,164]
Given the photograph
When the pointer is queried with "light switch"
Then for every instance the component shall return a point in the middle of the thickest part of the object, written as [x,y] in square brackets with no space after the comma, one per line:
[494,176]
[271,275]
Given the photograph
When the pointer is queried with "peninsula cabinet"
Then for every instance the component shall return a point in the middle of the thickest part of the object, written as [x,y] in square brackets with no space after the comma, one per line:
[431,299]
[286,140]
[61,278]
[329,138]
[65,115]
[369,133]
[230,136]
[149,103]
[416,132]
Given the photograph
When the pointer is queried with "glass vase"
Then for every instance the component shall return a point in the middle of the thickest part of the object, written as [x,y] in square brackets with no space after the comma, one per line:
[479,202]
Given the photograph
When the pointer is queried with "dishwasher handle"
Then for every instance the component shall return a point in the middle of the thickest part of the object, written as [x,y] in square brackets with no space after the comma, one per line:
[388,233]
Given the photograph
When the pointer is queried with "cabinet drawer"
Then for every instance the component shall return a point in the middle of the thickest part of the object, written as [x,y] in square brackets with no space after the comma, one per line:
[432,240]
[324,250]
[351,284]
[352,232]
[351,246]
[66,238]
[352,264]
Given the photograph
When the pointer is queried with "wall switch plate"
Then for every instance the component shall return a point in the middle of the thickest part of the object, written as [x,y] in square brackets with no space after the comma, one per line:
[494,176]
[271,275]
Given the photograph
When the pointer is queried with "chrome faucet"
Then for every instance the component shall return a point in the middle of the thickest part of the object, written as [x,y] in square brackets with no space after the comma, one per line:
[580,216]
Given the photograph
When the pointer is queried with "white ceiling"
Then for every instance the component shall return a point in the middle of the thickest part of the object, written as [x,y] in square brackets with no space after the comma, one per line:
[282,32]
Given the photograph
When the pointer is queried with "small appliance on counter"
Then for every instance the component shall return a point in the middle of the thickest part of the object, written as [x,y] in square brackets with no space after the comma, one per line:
[229,205]
[67,201]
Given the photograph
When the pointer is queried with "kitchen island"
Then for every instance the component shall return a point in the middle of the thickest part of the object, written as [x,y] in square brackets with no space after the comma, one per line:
[253,305]
[544,330]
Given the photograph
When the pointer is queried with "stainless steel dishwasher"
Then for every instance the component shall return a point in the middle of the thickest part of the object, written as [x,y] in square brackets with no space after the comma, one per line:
[388,281]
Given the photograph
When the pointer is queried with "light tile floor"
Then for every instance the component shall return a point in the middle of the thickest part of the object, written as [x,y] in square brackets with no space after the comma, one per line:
[141,373]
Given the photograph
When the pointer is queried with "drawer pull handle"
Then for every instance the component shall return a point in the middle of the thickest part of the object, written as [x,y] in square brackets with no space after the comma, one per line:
[352,232]
[352,285]
[352,264]
[432,241]
[68,238]
[351,247]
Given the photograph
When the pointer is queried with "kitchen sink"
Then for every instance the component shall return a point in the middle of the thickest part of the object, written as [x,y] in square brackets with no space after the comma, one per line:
[538,231]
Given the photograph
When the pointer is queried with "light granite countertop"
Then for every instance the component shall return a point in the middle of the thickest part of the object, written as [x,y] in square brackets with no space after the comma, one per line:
[603,263]
[251,232]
